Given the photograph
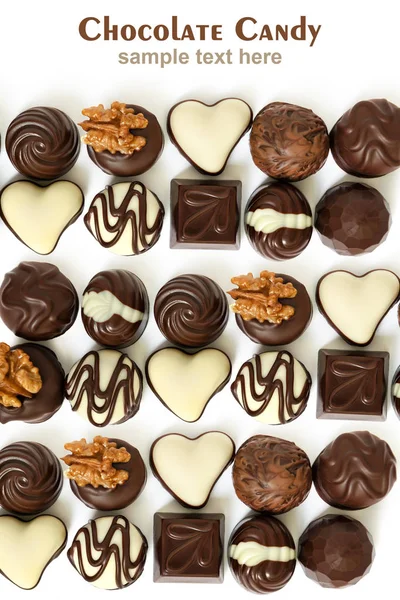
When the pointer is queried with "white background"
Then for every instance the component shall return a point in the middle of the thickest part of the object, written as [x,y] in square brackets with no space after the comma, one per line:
[44,62]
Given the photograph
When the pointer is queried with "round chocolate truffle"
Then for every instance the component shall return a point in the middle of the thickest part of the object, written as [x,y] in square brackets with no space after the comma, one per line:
[365,141]
[104,387]
[396,388]
[109,552]
[115,308]
[47,401]
[191,310]
[336,551]
[354,471]
[278,221]
[31,478]
[126,218]
[261,554]
[37,302]
[130,165]
[288,141]
[43,143]
[271,475]
[352,218]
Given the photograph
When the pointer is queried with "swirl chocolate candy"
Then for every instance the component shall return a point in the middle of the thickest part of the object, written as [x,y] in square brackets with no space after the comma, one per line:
[115,308]
[104,387]
[191,310]
[261,554]
[396,392]
[126,218]
[272,387]
[365,141]
[30,478]
[42,143]
[355,471]
[109,552]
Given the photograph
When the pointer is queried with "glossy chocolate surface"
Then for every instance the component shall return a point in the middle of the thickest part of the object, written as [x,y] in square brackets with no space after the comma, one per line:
[396,392]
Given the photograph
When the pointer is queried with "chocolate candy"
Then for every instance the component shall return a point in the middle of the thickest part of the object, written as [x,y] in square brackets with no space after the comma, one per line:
[396,392]
[104,387]
[352,385]
[365,141]
[189,468]
[206,134]
[37,302]
[47,401]
[271,475]
[126,218]
[336,551]
[261,554]
[188,548]
[288,141]
[272,387]
[37,215]
[30,478]
[354,305]
[205,214]
[109,552]
[42,143]
[19,563]
[115,308]
[352,218]
[354,471]
[191,310]
[172,373]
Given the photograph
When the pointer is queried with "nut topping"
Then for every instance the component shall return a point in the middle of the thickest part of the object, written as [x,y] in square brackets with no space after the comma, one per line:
[258,297]
[18,376]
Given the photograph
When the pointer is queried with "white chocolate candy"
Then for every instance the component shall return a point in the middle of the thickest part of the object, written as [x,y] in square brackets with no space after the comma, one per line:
[101,306]
[269,220]
[252,554]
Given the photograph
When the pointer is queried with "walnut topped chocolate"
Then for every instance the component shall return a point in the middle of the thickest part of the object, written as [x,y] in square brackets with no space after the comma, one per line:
[18,376]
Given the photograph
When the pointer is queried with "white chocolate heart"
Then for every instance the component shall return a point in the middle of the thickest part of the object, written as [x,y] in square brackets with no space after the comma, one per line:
[39,215]
[207,134]
[189,468]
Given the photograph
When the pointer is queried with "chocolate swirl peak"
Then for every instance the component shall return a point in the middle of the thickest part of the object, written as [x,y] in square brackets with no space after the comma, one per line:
[43,143]
[30,478]
[191,310]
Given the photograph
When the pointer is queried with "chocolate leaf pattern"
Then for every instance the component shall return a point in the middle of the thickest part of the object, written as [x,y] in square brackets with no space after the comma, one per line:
[358,382]
[213,203]
[196,542]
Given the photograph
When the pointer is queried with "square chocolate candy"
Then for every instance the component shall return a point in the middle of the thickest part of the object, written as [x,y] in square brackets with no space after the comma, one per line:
[352,385]
[188,548]
[205,214]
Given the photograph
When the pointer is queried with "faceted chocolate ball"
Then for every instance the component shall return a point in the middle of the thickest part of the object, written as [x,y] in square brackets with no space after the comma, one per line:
[352,218]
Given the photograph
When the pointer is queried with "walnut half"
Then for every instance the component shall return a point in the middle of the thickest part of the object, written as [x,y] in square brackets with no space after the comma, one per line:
[18,376]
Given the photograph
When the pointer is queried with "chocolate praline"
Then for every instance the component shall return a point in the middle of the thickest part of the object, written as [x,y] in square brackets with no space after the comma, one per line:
[396,392]
[130,165]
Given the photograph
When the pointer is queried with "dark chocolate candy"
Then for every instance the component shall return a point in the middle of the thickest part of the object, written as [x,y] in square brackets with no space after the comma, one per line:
[115,308]
[336,551]
[205,214]
[31,478]
[188,548]
[352,218]
[130,165]
[37,302]
[288,141]
[354,471]
[396,392]
[49,398]
[191,310]
[352,385]
[271,475]
[365,141]
[43,143]
[261,554]
[278,221]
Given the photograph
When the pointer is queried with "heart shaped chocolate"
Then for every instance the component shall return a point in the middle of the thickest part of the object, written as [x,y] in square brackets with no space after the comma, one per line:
[189,468]
[206,134]
[38,215]
[355,305]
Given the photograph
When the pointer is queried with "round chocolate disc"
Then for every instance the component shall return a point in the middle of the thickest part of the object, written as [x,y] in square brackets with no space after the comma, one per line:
[278,221]
[191,310]
[43,143]
[271,334]
[105,499]
[396,388]
[49,398]
[130,165]
[261,554]
[37,302]
[115,308]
